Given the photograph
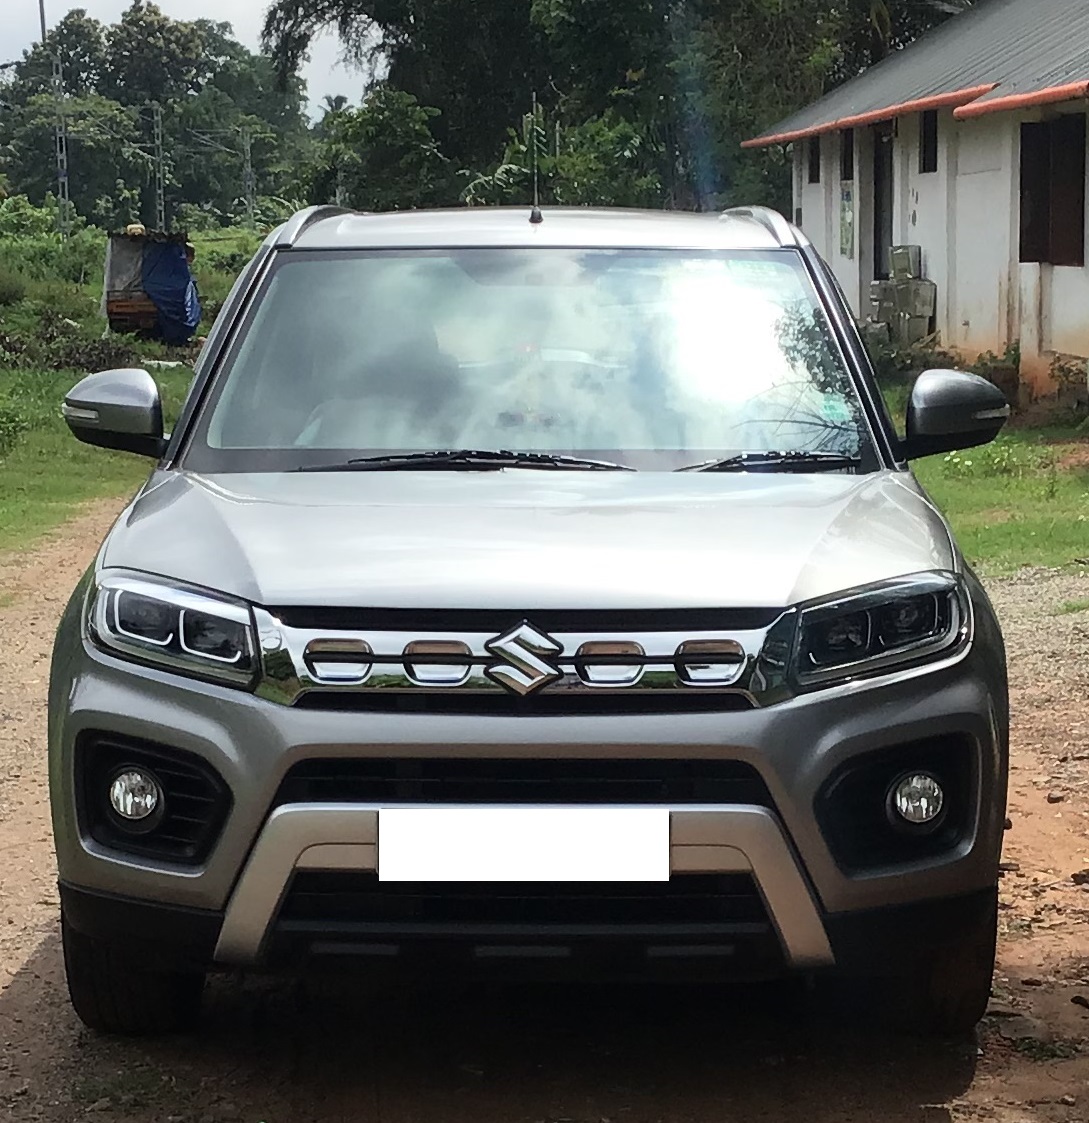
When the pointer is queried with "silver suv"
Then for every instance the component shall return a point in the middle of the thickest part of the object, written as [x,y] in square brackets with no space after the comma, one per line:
[529,592]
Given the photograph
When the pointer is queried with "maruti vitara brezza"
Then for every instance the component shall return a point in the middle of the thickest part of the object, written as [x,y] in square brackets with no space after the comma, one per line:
[537,592]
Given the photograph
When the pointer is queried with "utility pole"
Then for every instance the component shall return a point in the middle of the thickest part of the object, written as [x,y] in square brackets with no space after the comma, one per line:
[160,173]
[247,174]
[60,133]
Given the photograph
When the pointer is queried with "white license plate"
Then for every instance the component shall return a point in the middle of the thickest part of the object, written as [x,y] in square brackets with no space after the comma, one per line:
[523,844]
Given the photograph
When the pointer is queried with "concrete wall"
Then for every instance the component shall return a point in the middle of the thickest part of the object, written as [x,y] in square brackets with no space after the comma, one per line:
[1053,301]
[966,218]
[986,209]
[822,213]
[921,216]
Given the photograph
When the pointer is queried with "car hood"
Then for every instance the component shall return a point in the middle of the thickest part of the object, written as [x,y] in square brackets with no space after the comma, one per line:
[525,539]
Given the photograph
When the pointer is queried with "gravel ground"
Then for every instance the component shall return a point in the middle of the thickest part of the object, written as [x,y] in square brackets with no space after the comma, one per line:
[303,1053]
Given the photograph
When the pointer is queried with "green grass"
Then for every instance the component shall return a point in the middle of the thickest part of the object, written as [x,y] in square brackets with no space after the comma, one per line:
[1024,501]
[47,473]
[1071,608]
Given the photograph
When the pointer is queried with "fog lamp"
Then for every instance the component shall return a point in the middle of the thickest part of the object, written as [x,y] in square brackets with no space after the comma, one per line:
[918,799]
[135,795]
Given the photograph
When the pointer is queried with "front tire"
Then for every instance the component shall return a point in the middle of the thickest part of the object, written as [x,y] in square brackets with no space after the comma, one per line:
[112,993]
[945,992]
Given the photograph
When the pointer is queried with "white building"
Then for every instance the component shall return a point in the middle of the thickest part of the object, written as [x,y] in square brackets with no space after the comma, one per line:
[970,143]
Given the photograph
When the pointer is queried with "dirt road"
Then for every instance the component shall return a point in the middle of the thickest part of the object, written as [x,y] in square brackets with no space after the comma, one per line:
[314,1053]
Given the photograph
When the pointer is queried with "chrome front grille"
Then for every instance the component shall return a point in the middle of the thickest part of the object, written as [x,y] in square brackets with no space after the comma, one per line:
[521,661]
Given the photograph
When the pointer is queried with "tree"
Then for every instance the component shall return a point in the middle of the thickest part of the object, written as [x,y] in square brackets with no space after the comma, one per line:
[151,57]
[382,156]
[79,42]
[872,29]
[598,162]
[104,143]
[473,59]
[209,87]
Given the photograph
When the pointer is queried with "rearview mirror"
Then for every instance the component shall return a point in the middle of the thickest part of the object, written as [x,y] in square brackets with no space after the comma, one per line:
[117,409]
[949,411]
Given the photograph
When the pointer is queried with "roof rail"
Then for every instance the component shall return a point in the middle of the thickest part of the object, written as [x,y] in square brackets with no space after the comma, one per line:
[302,220]
[772,221]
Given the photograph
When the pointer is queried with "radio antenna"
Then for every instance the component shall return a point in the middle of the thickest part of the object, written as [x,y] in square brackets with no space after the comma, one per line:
[535,215]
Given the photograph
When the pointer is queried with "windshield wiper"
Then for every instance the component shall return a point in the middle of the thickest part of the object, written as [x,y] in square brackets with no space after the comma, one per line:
[793,461]
[466,459]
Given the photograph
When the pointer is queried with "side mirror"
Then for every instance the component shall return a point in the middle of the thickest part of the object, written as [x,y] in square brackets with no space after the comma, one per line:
[117,409]
[949,411]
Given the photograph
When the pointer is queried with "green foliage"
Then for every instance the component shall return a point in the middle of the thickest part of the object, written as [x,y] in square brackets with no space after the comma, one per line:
[44,471]
[383,155]
[646,102]
[1003,458]
[1072,608]
[13,423]
[600,162]
[12,286]
[474,60]
[212,91]
[688,82]
[54,341]
[1024,506]
[78,259]
[223,252]
[20,218]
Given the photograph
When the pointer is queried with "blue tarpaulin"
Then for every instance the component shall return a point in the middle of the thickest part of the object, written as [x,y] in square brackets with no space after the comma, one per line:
[169,284]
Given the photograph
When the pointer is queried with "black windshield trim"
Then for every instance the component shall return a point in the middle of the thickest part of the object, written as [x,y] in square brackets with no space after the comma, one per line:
[463,459]
[796,460]
[189,450]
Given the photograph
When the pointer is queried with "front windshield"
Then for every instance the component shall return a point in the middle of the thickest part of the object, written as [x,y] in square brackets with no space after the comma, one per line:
[656,359]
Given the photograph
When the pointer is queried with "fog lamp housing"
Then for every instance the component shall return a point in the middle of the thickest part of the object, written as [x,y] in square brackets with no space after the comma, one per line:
[136,798]
[916,800]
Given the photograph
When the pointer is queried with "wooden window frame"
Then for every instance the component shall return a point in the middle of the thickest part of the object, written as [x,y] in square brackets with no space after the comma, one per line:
[813,160]
[928,142]
[1053,190]
[847,155]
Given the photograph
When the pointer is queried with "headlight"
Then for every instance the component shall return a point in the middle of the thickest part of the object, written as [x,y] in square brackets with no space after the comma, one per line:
[173,626]
[902,621]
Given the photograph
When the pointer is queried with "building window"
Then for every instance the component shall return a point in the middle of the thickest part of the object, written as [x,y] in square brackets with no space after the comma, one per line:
[847,155]
[928,141]
[814,153]
[1053,169]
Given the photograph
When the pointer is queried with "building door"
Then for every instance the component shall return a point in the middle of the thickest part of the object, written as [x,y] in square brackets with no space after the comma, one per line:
[882,200]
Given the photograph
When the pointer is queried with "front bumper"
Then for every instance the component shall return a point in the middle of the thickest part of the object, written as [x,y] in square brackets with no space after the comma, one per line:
[744,840]
[795,747]
[866,942]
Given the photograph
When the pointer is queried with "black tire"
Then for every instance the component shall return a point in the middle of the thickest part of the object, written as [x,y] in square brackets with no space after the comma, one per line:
[945,993]
[112,993]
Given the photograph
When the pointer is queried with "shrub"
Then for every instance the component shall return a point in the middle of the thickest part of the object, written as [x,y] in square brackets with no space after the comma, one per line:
[45,257]
[1003,458]
[12,286]
[61,298]
[13,423]
[56,343]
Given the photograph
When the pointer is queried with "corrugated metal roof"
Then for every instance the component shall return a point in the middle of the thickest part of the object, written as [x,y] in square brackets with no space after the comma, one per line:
[998,55]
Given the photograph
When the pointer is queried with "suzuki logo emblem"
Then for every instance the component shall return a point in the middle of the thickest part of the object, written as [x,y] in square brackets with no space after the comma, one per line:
[525,668]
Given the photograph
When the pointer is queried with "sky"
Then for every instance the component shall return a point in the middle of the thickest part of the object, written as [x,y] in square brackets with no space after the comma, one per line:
[324,74]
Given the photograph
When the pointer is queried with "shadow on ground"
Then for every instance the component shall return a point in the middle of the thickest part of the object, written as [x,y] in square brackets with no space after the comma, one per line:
[323,1050]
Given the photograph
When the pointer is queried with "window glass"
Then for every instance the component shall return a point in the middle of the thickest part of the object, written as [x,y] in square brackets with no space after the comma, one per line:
[656,355]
